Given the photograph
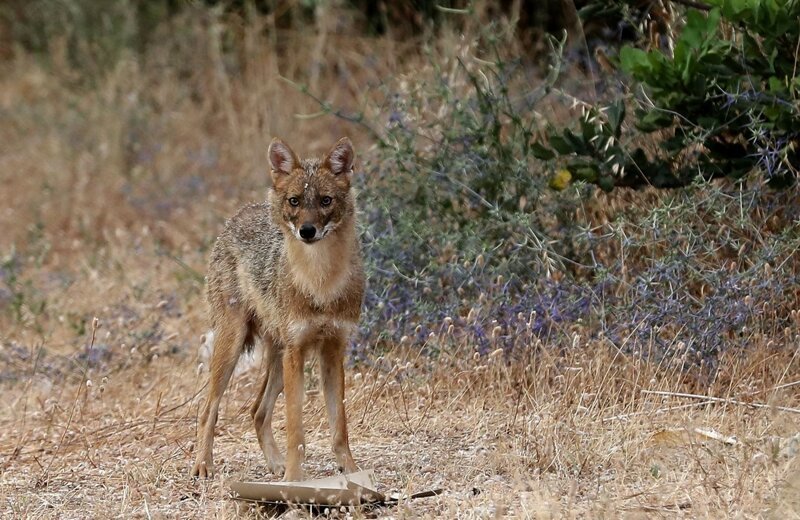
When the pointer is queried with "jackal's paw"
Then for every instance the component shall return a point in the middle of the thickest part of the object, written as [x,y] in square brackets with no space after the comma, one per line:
[275,460]
[202,469]
[348,468]
[277,465]
[293,476]
[347,464]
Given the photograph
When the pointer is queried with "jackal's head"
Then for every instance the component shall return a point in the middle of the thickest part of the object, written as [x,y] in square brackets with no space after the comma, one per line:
[311,198]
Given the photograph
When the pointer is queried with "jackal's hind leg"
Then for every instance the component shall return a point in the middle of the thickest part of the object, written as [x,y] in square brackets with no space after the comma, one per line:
[229,339]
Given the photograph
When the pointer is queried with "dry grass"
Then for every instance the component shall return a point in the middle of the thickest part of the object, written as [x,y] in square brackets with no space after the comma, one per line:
[574,435]
[99,223]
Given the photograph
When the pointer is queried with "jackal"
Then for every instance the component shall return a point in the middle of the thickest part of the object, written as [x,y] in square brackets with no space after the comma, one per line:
[287,271]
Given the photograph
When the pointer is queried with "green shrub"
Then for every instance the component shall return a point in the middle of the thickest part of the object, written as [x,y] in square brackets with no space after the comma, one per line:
[724,103]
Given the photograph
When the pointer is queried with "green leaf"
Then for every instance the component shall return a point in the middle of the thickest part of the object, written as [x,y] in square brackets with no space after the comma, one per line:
[606,183]
[776,86]
[616,115]
[542,152]
[687,68]
[699,29]
[773,113]
[586,174]
[731,9]
[634,61]
[560,145]
[712,22]
[577,144]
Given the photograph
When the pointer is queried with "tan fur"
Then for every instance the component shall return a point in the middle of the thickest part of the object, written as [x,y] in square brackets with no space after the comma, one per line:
[271,277]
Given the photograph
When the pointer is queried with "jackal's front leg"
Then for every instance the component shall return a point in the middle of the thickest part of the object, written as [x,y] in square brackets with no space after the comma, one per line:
[264,406]
[293,391]
[332,367]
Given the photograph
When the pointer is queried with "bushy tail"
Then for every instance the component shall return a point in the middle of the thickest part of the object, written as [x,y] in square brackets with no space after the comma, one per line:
[206,346]
[251,359]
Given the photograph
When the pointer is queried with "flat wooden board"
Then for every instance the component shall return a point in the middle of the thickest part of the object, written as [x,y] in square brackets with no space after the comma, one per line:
[353,489]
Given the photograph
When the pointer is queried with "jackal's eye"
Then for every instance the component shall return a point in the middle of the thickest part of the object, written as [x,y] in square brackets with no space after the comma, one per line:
[326,201]
[294,201]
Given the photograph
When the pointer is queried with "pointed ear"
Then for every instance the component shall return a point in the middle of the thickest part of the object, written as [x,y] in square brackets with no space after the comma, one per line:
[340,159]
[282,159]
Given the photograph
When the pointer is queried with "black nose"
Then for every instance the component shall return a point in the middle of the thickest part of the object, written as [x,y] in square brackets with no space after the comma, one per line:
[307,231]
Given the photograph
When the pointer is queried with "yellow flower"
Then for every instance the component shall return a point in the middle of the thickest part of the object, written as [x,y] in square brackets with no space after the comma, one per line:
[561,179]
